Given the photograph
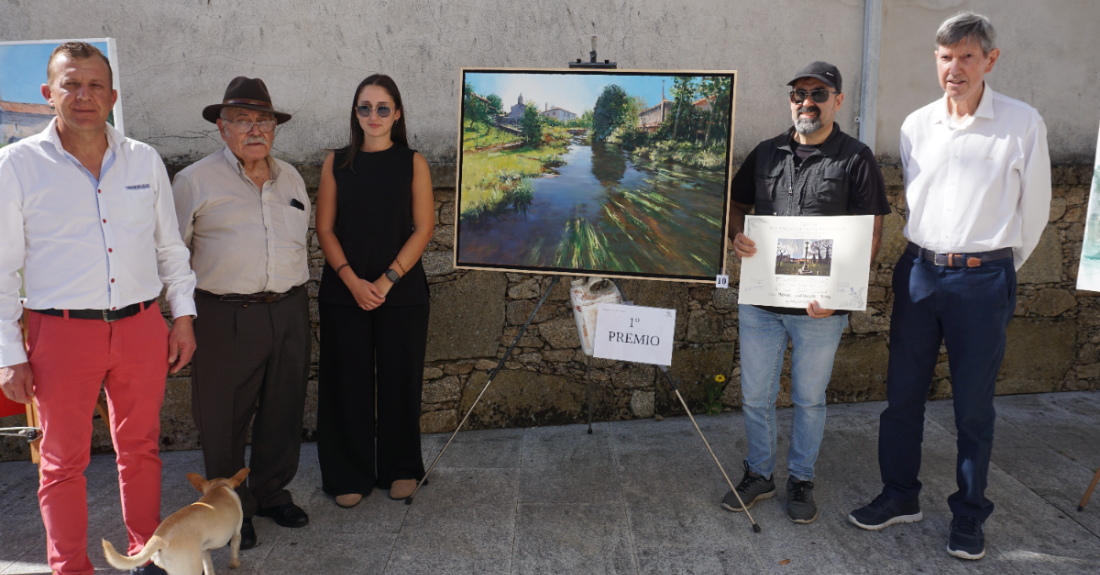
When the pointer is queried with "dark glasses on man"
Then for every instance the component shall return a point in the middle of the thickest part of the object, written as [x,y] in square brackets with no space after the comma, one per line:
[382,111]
[819,96]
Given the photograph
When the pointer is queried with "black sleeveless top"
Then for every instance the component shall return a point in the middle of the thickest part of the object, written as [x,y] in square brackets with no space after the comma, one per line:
[373,221]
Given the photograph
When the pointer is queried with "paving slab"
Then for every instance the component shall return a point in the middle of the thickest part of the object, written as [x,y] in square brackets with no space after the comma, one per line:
[643,496]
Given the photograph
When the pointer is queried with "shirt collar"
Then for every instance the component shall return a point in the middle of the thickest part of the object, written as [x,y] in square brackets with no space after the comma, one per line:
[230,157]
[114,137]
[984,110]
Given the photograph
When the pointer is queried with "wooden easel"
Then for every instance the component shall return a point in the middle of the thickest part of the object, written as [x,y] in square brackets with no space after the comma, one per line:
[1088,492]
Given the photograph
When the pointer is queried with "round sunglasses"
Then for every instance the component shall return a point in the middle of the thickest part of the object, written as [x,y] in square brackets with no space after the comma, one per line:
[382,111]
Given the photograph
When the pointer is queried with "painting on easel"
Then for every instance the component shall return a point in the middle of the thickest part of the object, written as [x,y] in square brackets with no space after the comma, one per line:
[611,173]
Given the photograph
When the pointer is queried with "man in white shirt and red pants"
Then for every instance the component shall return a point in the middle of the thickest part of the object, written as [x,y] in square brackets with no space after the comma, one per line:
[88,214]
[977,186]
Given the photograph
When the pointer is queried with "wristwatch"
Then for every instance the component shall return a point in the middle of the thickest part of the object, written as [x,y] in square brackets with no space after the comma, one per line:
[393,276]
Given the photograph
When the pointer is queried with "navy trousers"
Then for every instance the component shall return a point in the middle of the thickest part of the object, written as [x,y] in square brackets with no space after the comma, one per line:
[968,310]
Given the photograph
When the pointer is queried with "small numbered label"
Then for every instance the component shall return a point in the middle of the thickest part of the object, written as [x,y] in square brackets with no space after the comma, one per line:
[722,281]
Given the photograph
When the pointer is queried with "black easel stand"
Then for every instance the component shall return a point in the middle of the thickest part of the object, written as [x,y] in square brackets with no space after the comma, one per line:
[492,375]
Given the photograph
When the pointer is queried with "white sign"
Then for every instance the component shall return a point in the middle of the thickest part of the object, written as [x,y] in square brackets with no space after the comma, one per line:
[635,333]
[804,259]
[1088,274]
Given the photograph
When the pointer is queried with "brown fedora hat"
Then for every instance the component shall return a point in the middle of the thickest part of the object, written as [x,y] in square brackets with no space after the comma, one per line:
[248,93]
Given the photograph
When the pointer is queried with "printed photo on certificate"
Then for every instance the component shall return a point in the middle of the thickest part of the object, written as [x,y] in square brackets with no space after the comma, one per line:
[802,259]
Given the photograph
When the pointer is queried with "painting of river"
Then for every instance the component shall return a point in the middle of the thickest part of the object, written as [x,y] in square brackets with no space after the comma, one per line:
[609,173]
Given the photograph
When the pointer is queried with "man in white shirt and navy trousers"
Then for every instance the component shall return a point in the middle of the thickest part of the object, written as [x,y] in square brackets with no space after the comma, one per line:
[977,187]
[88,214]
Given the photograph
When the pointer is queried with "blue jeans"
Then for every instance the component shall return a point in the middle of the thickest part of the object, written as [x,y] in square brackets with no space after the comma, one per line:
[968,310]
[764,336]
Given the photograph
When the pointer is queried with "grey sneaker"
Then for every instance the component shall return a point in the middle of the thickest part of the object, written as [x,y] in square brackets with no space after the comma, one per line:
[751,489]
[967,539]
[800,501]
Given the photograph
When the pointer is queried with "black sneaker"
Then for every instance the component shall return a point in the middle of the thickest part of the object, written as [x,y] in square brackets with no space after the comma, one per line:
[967,539]
[751,489]
[800,501]
[884,512]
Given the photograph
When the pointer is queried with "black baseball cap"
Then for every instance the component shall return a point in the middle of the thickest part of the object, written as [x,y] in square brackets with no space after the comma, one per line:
[823,71]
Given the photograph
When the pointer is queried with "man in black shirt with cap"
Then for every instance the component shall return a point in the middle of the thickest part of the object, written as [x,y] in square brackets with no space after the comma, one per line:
[812,169]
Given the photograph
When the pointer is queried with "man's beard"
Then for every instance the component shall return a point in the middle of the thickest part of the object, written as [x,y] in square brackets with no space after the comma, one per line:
[807,126]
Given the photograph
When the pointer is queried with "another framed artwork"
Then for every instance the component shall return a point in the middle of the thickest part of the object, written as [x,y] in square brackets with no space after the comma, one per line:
[23,110]
[799,260]
[612,173]
[1088,271]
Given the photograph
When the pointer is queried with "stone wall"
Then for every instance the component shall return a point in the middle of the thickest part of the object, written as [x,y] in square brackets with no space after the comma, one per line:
[1053,344]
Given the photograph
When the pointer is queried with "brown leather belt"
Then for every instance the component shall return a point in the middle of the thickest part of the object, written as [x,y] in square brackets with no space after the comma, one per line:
[966,260]
[107,315]
[259,297]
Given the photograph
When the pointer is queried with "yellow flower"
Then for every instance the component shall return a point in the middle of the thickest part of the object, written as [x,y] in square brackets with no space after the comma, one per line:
[720,378]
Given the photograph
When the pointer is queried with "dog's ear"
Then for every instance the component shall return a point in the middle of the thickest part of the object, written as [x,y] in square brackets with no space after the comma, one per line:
[197,481]
[239,477]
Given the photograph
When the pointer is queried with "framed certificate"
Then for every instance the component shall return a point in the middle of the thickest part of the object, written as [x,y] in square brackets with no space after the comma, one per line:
[803,259]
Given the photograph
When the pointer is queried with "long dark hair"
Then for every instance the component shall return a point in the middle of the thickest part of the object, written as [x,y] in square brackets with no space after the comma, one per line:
[397,133]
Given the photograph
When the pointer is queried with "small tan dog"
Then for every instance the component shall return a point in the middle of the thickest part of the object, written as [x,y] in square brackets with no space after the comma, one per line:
[183,541]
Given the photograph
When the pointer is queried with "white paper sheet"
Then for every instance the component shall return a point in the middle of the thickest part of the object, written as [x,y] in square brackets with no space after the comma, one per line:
[1088,274]
[802,259]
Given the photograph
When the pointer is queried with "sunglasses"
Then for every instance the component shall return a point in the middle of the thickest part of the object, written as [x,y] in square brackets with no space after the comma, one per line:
[382,111]
[819,95]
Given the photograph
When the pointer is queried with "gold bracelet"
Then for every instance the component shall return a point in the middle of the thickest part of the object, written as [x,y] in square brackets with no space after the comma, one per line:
[398,262]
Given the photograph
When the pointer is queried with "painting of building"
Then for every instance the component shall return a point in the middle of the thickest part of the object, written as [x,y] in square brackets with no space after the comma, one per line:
[516,114]
[19,120]
[650,119]
[559,114]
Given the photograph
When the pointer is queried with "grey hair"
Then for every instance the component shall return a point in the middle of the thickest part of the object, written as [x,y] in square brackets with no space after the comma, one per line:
[967,25]
[224,113]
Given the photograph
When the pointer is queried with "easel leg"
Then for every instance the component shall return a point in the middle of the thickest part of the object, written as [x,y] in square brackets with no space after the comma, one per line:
[588,394]
[1088,492]
[492,376]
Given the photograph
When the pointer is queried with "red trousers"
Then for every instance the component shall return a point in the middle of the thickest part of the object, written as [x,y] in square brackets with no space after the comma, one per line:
[70,359]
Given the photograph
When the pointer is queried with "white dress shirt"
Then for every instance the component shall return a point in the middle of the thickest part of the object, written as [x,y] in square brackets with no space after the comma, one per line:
[86,242]
[244,239]
[977,186]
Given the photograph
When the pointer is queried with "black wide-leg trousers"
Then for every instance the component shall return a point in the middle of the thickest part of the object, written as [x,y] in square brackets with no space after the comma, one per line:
[252,360]
[369,355]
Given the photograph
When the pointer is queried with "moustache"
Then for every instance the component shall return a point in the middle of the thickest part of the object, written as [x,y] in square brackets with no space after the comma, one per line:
[255,140]
[808,109]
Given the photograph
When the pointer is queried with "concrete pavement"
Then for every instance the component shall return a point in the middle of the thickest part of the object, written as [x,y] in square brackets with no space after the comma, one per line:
[643,497]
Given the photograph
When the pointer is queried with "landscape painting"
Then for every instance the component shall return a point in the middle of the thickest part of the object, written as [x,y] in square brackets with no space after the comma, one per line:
[23,110]
[610,173]
[803,257]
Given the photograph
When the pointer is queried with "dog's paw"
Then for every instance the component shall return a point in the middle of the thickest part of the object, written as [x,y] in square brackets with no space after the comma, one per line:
[234,563]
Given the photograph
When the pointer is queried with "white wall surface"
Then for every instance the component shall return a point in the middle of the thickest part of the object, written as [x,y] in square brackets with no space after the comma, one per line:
[177,56]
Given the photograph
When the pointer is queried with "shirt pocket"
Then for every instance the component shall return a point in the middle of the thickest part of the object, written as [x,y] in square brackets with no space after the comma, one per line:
[830,196]
[291,223]
[138,203]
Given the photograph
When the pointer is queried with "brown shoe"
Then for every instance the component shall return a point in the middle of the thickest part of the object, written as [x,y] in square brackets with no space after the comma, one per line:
[402,489]
[349,499]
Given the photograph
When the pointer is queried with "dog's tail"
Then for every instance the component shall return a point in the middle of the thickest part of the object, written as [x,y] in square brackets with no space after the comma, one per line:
[119,561]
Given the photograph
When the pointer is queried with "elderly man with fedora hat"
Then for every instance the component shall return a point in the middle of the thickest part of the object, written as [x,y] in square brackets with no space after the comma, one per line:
[245,216]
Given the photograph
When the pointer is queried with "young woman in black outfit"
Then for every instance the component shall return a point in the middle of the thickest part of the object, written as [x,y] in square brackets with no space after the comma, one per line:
[375,215]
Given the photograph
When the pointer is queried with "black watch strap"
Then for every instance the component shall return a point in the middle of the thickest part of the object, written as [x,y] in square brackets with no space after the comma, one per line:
[393,276]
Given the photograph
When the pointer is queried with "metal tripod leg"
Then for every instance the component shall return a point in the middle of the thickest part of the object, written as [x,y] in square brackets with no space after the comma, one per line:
[492,376]
[676,389]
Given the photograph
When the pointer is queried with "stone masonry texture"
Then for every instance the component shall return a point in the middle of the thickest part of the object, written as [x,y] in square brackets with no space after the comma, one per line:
[1053,342]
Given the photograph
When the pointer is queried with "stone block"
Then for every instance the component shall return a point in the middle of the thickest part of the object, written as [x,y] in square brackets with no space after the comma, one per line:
[177,427]
[1088,371]
[1057,208]
[560,333]
[457,368]
[439,263]
[438,421]
[558,355]
[859,370]
[634,377]
[526,398]
[726,298]
[869,321]
[1038,355]
[443,390]
[693,367]
[467,317]
[432,372]
[519,310]
[893,242]
[526,290]
[704,327]
[1044,265]
[1052,302]
[445,236]
[641,403]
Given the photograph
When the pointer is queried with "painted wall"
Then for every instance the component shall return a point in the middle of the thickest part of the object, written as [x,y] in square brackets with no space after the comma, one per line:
[177,56]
